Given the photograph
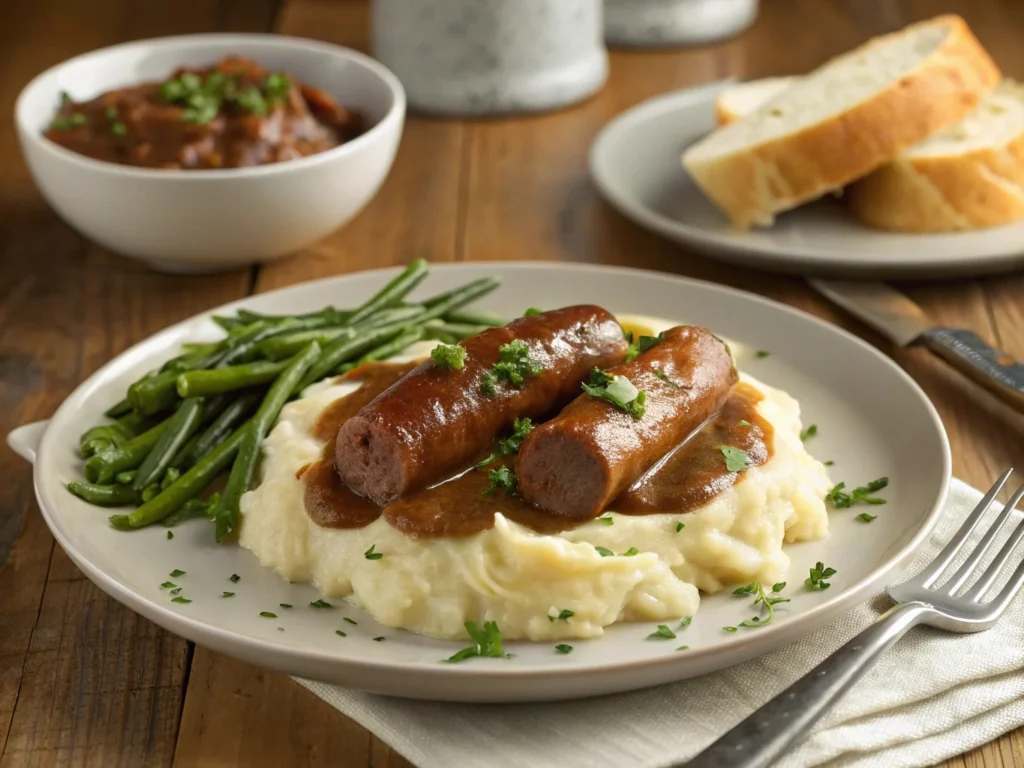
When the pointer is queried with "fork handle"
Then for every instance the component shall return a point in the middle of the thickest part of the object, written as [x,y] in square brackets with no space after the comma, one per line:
[767,733]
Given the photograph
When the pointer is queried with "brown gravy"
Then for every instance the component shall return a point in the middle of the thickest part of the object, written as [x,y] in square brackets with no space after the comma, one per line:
[691,475]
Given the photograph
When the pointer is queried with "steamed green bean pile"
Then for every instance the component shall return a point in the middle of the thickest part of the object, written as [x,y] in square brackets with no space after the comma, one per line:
[207,411]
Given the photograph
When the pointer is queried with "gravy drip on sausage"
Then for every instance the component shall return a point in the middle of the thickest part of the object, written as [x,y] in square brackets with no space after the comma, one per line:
[691,475]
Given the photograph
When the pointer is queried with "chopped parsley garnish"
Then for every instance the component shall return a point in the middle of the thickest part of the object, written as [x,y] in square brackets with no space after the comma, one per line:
[227,594]
[617,390]
[861,495]
[450,356]
[744,423]
[606,520]
[683,648]
[503,478]
[379,639]
[532,311]
[320,603]
[564,615]
[251,100]
[509,445]
[180,599]
[729,629]
[168,585]
[662,633]
[515,364]
[563,648]
[176,590]
[811,431]
[630,552]
[768,600]
[604,551]
[680,526]
[642,344]
[67,122]
[277,86]
[340,633]
[203,98]
[350,621]
[268,615]
[664,377]
[65,99]
[371,555]
[235,578]
[762,353]
[735,459]
[685,621]
[285,605]
[816,581]
[176,573]
[170,535]
[828,463]
[866,517]
[489,383]
[486,643]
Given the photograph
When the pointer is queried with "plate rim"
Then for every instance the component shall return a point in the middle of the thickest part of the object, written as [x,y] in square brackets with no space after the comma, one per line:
[273,655]
[793,257]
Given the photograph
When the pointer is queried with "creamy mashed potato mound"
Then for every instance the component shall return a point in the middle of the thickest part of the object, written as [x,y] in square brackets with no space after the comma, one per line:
[519,578]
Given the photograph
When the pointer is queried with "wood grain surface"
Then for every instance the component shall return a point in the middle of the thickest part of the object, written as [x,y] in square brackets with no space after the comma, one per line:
[86,682]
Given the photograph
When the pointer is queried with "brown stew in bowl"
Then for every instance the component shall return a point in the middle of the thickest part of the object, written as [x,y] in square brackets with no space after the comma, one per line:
[234,114]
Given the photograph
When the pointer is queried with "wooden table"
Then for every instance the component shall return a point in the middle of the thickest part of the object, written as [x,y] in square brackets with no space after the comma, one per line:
[85,681]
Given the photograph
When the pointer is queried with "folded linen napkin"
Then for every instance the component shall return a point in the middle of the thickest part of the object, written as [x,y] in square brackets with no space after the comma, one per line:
[934,695]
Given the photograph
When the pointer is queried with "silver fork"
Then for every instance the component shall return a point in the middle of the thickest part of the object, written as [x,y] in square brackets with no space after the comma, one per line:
[767,733]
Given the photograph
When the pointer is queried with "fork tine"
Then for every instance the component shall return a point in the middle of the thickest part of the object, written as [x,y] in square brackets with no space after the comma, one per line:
[978,591]
[1008,592]
[927,577]
[971,563]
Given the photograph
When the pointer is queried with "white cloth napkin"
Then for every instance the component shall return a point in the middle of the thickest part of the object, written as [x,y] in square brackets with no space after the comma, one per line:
[934,695]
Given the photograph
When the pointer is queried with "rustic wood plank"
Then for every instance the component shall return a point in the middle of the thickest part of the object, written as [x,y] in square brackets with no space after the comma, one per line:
[83,680]
[234,713]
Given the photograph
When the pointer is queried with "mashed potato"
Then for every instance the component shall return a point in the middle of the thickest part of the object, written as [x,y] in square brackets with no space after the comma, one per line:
[521,579]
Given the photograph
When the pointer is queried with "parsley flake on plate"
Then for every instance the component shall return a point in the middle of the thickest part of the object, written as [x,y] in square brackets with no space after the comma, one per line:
[604,551]
[502,477]
[563,615]
[761,354]
[235,578]
[176,573]
[617,390]
[683,648]
[766,599]
[320,603]
[735,459]
[809,432]
[816,581]
[680,526]
[606,520]
[662,633]
[379,639]
[563,648]
[860,495]
[685,622]
[630,552]
[486,643]
[285,605]
[371,555]
[450,356]
[180,599]
[268,615]
[227,594]
[170,534]
[510,445]
[168,585]
[350,621]
[865,517]
[340,633]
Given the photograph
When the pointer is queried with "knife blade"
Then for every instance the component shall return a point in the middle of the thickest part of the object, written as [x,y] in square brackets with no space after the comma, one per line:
[896,317]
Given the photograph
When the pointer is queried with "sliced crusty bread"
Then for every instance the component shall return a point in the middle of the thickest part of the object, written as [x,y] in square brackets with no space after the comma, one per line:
[967,176]
[843,120]
[738,101]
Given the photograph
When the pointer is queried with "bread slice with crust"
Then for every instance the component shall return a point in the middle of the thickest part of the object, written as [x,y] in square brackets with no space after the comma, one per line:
[738,101]
[843,120]
[967,176]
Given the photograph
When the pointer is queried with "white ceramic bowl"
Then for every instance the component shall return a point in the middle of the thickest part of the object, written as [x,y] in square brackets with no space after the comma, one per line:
[208,220]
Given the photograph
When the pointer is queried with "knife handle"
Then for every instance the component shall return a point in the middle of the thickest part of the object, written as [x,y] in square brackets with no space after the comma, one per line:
[999,373]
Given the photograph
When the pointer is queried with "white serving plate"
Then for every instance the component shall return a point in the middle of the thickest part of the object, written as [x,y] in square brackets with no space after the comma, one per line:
[873,420]
[636,164]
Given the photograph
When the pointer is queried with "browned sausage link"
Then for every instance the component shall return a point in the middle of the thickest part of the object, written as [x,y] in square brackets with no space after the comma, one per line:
[575,464]
[434,420]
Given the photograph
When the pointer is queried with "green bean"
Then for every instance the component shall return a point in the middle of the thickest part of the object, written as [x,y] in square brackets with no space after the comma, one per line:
[201,348]
[170,476]
[457,331]
[393,292]
[221,427]
[396,346]
[125,478]
[149,492]
[102,437]
[154,393]
[244,468]
[475,317]
[444,303]
[102,467]
[437,334]
[289,344]
[345,348]
[330,313]
[183,458]
[186,487]
[135,423]
[221,380]
[227,323]
[118,409]
[191,509]
[391,316]
[180,428]
[104,495]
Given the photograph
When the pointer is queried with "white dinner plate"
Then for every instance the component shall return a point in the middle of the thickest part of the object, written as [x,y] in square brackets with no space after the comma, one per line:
[636,164]
[872,418]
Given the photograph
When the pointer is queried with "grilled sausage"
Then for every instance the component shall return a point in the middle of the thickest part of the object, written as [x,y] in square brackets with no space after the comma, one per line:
[434,420]
[578,462]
